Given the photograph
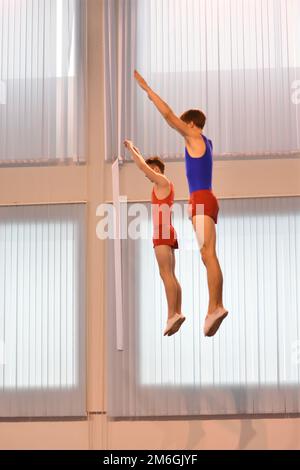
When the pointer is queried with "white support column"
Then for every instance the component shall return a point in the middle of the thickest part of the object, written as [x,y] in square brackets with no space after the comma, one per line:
[117,254]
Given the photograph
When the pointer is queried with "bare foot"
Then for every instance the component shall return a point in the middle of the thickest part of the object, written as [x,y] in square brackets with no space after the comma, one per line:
[173,323]
[177,325]
[214,320]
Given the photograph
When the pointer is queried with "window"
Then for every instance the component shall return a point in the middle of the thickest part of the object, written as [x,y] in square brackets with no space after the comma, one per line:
[252,365]
[42,311]
[42,81]
[238,60]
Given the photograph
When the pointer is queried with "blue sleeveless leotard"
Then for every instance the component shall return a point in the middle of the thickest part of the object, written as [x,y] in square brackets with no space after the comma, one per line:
[199,170]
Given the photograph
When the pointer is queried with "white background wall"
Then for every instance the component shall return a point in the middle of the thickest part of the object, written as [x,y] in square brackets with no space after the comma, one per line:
[91,183]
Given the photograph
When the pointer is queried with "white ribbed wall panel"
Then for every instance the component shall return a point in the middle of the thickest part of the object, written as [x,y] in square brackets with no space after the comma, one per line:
[42,81]
[238,60]
[253,364]
[42,310]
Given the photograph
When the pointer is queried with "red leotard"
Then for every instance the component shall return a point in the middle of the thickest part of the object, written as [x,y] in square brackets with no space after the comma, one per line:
[163,230]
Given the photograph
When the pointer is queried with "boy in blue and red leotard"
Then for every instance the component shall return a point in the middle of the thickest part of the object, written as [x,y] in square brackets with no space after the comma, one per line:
[199,165]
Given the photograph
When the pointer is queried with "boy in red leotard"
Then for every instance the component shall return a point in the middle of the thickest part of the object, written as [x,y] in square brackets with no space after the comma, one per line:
[164,236]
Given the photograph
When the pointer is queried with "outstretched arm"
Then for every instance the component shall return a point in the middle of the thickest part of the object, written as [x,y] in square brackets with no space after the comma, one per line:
[157,178]
[174,121]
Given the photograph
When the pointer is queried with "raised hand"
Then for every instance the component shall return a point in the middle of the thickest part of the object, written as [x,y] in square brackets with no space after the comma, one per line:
[128,144]
[131,147]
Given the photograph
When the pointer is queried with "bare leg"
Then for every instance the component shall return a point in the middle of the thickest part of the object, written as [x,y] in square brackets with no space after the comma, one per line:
[181,317]
[206,235]
[179,293]
[164,258]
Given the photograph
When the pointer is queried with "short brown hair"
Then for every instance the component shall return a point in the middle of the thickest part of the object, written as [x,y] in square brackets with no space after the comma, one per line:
[196,116]
[156,161]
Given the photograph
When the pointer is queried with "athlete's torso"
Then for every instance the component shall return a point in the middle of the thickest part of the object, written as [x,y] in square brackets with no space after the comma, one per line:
[199,169]
[162,208]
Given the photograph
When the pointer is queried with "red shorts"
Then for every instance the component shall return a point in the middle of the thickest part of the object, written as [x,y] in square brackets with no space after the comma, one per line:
[206,198]
[165,237]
